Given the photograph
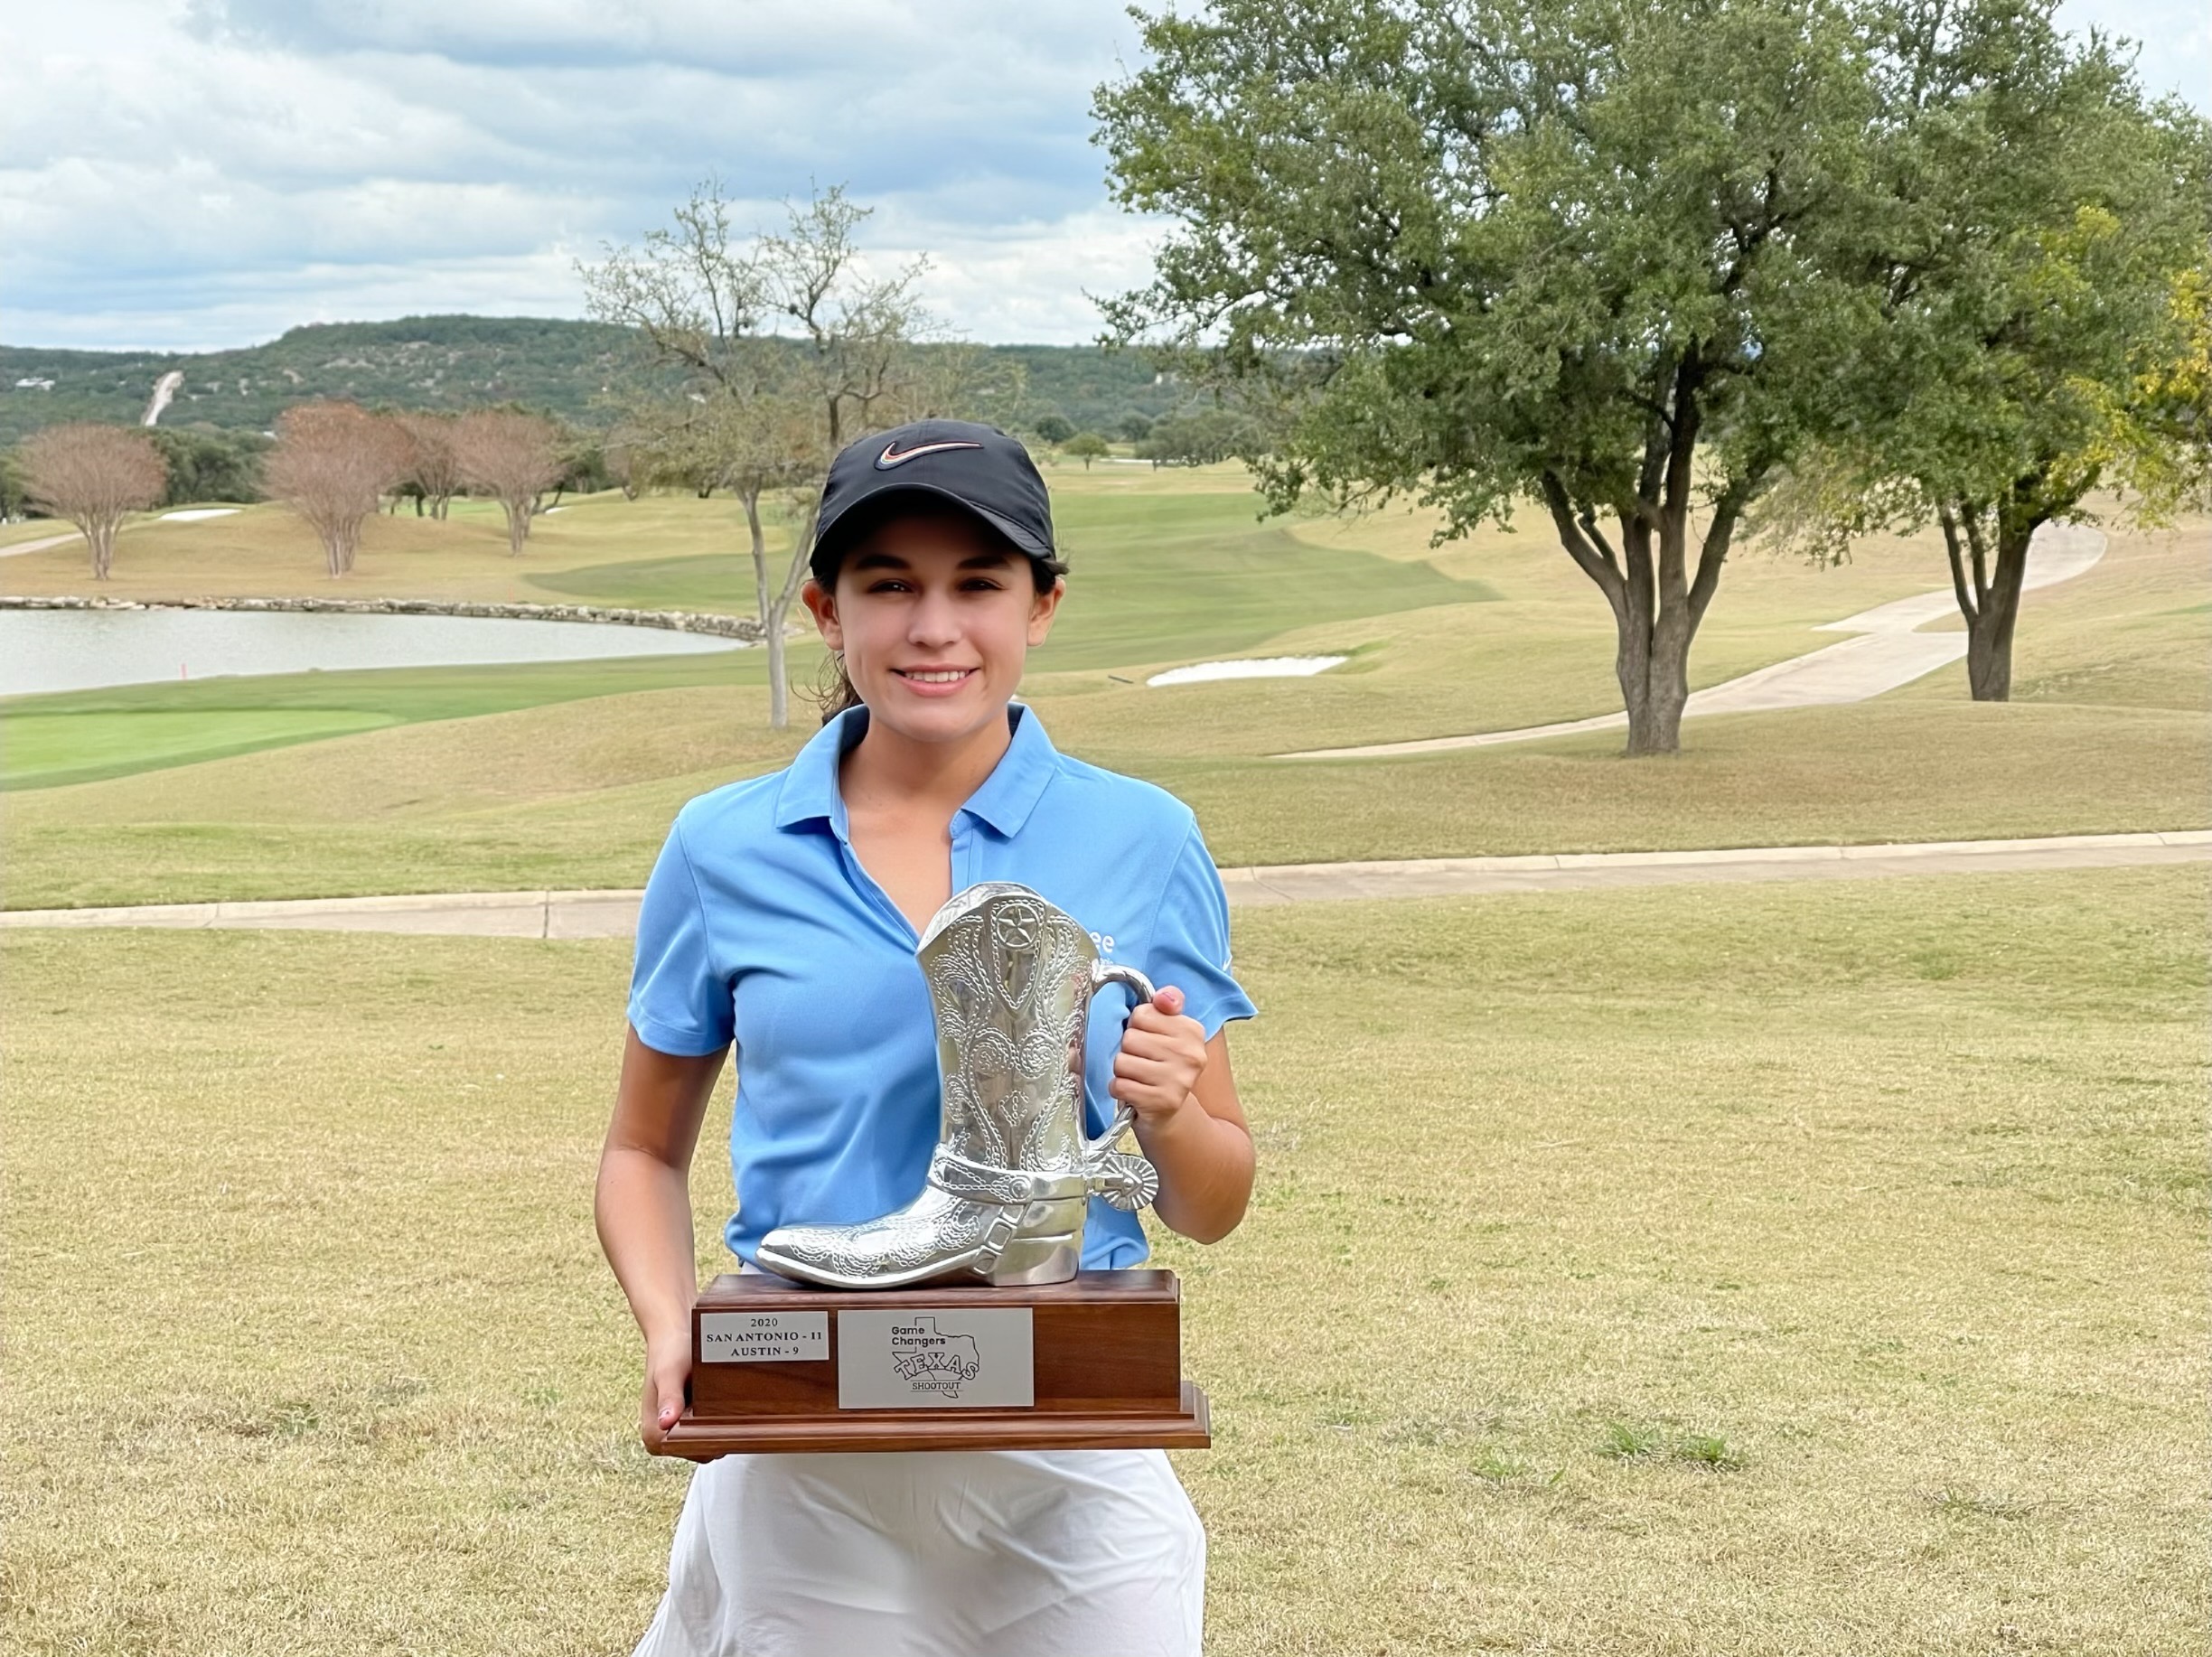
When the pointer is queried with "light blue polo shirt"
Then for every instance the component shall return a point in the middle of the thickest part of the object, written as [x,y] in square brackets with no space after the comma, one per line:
[760,928]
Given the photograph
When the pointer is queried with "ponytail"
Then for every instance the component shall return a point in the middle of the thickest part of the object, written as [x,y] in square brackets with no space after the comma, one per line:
[833,691]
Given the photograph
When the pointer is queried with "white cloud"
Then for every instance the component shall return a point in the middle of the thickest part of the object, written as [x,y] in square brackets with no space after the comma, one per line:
[195,172]
[211,173]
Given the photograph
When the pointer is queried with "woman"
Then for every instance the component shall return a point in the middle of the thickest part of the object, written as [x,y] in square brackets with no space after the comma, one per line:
[781,920]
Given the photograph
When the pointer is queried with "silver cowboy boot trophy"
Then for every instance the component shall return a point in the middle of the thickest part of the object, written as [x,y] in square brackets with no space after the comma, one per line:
[1011,978]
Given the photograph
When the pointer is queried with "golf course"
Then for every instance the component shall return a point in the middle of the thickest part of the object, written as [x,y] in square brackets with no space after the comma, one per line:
[1808,1267]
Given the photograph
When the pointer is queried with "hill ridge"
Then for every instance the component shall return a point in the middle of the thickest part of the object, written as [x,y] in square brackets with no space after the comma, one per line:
[459,359]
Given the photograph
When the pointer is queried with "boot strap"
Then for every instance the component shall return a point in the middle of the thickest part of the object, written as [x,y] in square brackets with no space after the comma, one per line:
[980,1181]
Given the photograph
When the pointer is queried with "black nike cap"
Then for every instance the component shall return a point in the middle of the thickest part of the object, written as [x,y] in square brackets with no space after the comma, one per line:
[975,466]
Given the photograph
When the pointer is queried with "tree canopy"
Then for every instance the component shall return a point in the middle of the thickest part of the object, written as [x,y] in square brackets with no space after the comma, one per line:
[2043,238]
[1600,256]
[1631,262]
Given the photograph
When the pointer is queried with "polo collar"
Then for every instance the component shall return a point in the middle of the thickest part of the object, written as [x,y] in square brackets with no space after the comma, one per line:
[1004,801]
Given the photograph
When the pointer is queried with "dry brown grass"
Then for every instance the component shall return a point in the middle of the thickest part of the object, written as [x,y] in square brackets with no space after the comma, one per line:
[1767,1270]
[267,550]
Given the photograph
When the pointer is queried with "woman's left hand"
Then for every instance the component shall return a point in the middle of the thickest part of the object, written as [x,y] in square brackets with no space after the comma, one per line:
[1162,1055]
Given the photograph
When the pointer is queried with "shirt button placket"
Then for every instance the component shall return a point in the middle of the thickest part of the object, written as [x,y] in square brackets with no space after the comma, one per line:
[963,851]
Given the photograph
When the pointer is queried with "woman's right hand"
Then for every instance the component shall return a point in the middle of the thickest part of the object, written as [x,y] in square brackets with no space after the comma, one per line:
[668,1372]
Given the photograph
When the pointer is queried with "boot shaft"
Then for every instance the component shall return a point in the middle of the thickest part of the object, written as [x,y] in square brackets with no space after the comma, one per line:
[1011,979]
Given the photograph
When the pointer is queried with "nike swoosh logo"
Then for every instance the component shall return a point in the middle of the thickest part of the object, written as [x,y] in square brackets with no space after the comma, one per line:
[891,457]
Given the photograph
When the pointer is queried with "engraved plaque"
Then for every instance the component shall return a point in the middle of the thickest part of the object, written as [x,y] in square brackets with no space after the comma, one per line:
[936,1358]
[763,1337]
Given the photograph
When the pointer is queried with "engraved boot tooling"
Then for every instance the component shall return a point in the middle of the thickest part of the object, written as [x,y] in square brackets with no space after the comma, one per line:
[1011,977]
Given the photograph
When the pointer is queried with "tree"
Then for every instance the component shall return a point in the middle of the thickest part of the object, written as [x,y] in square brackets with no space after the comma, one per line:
[730,401]
[1086,447]
[1135,428]
[207,465]
[13,487]
[513,456]
[1601,257]
[1203,437]
[331,464]
[1055,428]
[2046,254]
[433,464]
[93,476]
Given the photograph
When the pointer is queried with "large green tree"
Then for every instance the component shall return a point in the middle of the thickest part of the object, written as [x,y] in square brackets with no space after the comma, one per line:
[2043,240]
[1599,254]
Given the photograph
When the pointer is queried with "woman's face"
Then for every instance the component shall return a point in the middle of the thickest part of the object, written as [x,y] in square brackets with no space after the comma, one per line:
[934,615]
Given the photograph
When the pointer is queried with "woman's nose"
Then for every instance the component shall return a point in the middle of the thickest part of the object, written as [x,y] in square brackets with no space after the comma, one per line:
[935,620]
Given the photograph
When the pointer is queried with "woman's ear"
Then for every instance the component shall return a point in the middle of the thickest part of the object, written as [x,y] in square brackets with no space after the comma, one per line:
[1041,613]
[821,603]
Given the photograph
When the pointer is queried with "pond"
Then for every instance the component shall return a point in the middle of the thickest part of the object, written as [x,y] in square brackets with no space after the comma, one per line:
[84,649]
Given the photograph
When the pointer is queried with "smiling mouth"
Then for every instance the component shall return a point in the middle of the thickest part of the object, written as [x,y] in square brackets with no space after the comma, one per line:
[935,676]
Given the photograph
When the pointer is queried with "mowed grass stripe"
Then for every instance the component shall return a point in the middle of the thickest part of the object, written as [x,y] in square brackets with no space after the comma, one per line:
[130,728]
[1627,1268]
[42,750]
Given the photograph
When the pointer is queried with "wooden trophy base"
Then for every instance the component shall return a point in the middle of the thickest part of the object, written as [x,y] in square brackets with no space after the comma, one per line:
[1094,1363]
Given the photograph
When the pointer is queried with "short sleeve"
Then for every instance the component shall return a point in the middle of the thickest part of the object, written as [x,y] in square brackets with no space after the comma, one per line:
[678,1002]
[1190,941]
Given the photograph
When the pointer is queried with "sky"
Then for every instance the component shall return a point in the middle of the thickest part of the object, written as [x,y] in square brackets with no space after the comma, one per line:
[191,175]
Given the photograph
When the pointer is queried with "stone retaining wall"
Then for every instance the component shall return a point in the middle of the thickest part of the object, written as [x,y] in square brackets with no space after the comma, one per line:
[745,628]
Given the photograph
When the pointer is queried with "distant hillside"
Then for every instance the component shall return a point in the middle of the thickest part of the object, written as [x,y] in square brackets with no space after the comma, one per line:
[455,362]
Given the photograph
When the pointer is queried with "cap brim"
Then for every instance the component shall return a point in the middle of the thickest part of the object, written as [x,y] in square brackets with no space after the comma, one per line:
[830,539]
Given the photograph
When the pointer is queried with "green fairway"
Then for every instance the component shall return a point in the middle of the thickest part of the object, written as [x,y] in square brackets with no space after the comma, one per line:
[81,736]
[1155,576]
[1778,1269]
[566,773]
[63,746]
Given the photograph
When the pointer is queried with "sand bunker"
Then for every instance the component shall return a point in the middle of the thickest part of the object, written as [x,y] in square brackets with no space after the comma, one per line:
[1255,667]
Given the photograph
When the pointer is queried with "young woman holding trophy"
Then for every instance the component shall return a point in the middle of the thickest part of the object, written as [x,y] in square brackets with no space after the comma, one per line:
[781,923]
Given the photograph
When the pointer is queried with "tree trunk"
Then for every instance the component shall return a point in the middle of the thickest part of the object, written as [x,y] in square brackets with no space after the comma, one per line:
[1658,600]
[1653,665]
[518,526]
[779,689]
[1989,599]
[771,614]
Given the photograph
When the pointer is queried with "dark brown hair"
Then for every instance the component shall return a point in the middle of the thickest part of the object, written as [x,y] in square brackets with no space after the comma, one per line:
[832,689]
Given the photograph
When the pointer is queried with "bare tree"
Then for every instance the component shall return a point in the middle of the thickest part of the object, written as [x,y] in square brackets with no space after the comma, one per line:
[753,409]
[434,466]
[92,476]
[513,456]
[331,461]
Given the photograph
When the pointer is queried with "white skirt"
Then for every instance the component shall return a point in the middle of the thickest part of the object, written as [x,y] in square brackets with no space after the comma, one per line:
[1012,1553]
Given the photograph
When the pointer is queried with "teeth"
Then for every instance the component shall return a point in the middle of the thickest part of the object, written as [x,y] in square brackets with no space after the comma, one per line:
[950,677]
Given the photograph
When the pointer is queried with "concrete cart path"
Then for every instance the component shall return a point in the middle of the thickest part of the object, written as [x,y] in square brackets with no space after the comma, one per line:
[187,515]
[17,550]
[1889,652]
[614,913]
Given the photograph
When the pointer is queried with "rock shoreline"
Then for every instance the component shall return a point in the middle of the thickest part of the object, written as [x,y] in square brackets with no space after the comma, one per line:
[746,629]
